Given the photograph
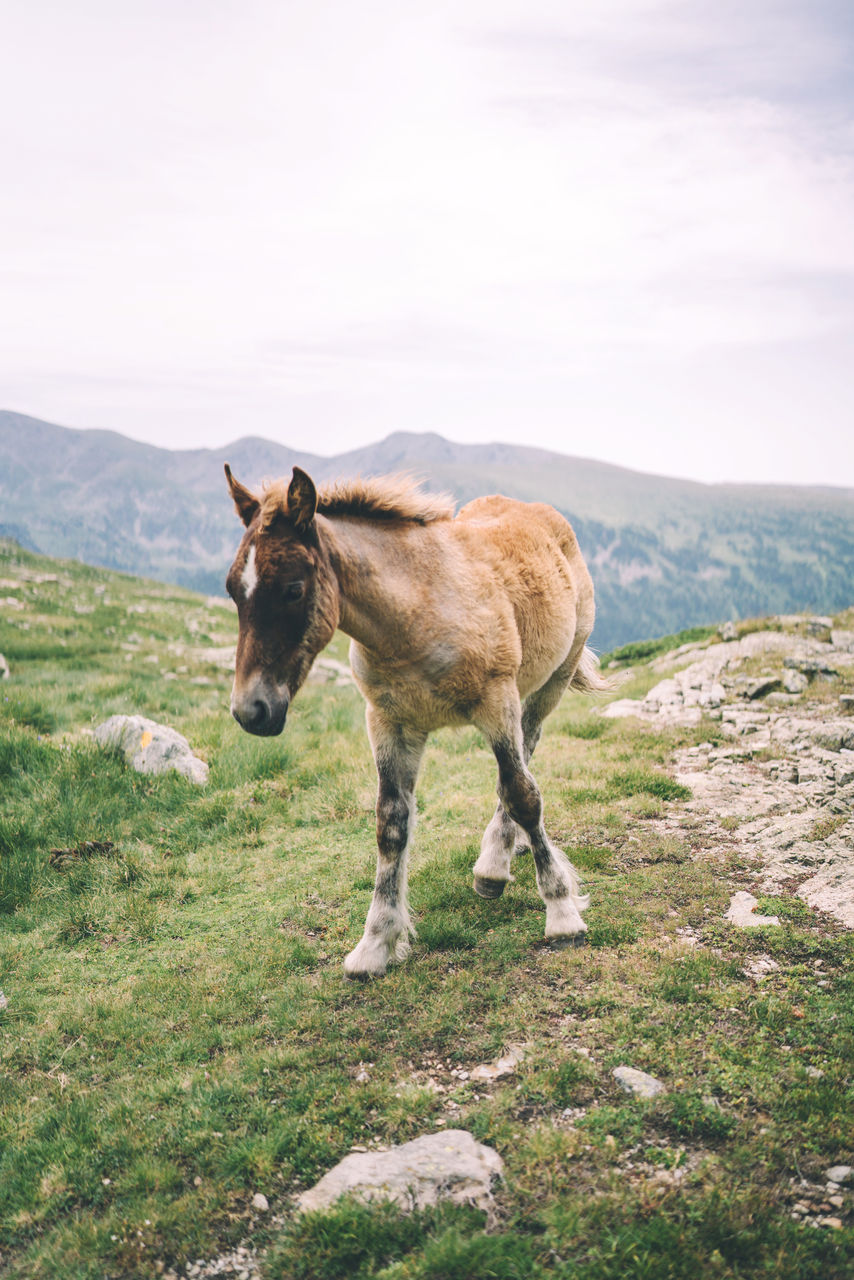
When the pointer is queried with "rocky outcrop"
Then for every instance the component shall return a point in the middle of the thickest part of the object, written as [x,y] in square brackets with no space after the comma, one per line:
[783,782]
[710,676]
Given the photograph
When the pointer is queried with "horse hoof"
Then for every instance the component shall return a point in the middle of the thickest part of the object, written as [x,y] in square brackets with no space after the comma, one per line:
[485,887]
[361,976]
[566,941]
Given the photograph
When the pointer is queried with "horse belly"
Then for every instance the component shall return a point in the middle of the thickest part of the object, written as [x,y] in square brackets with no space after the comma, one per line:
[547,624]
[538,666]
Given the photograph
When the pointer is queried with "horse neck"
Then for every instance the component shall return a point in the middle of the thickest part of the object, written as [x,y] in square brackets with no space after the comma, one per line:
[375,564]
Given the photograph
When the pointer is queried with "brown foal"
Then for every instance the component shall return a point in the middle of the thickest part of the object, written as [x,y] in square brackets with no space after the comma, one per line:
[476,619]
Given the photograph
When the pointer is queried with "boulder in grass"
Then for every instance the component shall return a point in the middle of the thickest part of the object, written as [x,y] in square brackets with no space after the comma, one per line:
[4,668]
[438,1166]
[638,1083]
[151,747]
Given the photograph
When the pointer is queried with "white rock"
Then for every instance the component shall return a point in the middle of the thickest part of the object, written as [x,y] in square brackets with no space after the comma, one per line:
[4,668]
[439,1166]
[150,747]
[741,912]
[503,1066]
[839,1173]
[759,967]
[637,1082]
[260,1201]
[623,707]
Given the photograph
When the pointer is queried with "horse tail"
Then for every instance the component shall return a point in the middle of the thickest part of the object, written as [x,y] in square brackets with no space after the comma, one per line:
[587,678]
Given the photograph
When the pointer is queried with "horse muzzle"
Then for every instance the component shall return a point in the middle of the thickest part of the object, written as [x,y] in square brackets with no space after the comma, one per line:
[261,710]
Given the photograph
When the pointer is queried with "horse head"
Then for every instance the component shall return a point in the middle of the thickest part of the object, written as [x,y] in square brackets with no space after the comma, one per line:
[286,595]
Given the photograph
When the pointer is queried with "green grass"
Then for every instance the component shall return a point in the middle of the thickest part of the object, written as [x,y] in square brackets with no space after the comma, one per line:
[643,650]
[179,1034]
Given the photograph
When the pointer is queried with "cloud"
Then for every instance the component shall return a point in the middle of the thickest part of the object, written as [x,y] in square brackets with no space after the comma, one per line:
[473,217]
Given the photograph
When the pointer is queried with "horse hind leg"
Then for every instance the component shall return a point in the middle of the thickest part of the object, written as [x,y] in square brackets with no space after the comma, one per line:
[388,928]
[557,879]
[503,837]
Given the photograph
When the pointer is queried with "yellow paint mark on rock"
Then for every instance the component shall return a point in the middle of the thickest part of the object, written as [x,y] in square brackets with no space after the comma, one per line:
[147,738]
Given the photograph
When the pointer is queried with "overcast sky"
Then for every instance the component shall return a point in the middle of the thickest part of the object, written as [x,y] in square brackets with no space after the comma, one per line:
[616,228]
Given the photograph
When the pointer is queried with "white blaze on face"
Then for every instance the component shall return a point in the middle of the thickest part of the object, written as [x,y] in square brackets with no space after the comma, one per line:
[249,577]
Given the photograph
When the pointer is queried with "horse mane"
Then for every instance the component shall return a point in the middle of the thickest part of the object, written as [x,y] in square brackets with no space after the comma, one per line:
[393,497]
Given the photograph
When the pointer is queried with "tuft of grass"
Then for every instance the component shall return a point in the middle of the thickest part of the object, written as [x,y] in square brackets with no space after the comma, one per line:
[644,650]
[637,781]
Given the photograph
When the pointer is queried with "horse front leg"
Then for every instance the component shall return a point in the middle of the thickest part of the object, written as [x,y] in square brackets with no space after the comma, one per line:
[492,869]
[388,928]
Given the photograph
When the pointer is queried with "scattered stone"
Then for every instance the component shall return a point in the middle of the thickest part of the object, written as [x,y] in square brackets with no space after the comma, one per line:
[502,1067]
[438,1166]
[835,735]
[741,912]
[839,1173]
[810,666]
[728,631]
[759,967]
[238,1264]
[794,681]
[4,1001]
[814,1073]
[150,747]
[4,668]
[781,699]
[260,1202]
[820,628]
[846,701]
[637,1082]
[759,687]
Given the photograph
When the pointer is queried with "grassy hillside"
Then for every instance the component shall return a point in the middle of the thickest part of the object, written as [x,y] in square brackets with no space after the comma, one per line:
[179,1035]
[665,554]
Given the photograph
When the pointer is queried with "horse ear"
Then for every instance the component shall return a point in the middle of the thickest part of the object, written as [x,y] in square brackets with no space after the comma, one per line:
[246,503]
[302,499]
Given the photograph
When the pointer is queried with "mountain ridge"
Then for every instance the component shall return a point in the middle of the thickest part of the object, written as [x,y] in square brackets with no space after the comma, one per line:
[665,553]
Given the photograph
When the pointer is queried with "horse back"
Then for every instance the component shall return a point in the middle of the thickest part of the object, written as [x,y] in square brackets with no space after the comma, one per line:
[541,529]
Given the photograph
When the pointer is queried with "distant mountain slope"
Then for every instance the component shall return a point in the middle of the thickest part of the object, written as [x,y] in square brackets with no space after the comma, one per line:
[664,553]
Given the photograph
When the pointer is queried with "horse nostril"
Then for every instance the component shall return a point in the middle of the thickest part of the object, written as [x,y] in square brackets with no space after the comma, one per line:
[260,714]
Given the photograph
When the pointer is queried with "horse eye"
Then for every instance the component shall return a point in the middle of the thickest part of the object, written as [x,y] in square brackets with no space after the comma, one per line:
[295,591]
